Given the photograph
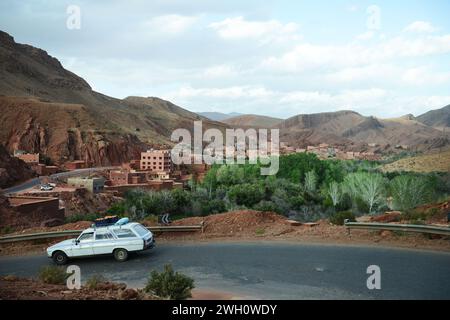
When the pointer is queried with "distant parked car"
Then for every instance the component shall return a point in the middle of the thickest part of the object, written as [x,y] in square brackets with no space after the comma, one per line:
[118,240]
[46,187]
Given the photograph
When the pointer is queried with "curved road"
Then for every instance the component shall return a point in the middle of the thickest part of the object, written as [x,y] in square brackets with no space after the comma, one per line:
[37,181]
[274,270]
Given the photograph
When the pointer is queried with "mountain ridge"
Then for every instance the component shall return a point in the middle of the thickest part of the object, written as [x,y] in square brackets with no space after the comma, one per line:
[50,110]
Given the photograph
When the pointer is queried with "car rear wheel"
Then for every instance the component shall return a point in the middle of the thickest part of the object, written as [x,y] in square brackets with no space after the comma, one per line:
[60,258]
[121,255]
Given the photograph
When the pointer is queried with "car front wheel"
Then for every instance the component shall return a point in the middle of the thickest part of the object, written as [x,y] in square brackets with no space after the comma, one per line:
[121,255]
[60,258]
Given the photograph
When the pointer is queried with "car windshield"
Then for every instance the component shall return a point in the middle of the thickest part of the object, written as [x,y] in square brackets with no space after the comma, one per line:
[86,236]
[141,230]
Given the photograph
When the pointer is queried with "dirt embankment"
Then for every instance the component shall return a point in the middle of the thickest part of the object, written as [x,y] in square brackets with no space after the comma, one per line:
[13,288]
[267,226]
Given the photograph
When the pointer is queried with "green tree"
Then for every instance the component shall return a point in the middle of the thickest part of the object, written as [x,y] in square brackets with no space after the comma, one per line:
[409,192]
[334,192]
[311,181]
[246,194]
[368,187]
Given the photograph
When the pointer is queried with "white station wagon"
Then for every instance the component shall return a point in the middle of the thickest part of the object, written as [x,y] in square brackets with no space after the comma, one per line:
[118,240]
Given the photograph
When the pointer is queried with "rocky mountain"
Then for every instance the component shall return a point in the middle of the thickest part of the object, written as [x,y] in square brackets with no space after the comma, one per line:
[436,118]
[48,109]
[351,129]
[219,116]
[252,121]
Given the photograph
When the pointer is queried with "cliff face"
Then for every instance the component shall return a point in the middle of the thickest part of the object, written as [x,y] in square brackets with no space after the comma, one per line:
[12,170]
[62,132]
[48,109]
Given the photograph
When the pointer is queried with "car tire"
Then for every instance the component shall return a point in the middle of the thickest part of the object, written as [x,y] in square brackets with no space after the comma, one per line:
[60,258]
[121,255]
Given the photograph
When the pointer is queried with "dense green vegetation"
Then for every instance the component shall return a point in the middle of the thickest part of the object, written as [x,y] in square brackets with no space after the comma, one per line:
[305,186]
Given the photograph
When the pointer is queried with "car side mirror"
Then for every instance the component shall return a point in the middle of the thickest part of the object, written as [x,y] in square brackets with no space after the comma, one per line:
[77,242]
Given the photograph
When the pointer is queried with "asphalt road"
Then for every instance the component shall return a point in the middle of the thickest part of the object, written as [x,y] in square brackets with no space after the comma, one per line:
[274,270]
[36,181]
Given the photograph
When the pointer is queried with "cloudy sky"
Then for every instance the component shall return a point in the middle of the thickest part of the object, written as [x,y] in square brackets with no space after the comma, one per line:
[278,58]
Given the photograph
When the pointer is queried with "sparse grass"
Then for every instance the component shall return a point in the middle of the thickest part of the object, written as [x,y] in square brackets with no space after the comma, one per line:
[260,231]
[415,216]
[6,230]
[82,217]
[339,218]
[93,282]
[53,275]
[436,162]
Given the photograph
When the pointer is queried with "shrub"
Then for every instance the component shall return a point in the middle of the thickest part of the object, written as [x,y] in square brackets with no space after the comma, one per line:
[53,275]
[82,217]
[246,194]
[339,218]
[260,231]
[415,216]
[213,206]
[267,206]
[93,282]
[117,209]
[296,202]
[169,284]
[6,230]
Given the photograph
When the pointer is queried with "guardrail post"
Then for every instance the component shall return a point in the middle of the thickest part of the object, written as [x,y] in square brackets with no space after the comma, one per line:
[203,225]
[348,229]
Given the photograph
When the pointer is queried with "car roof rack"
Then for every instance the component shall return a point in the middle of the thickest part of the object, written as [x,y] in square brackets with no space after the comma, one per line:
[110,221]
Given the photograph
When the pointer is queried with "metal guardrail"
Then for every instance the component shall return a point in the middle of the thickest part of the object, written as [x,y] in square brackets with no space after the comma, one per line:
[41,235]
[67,233]
[176,228]
[445,231]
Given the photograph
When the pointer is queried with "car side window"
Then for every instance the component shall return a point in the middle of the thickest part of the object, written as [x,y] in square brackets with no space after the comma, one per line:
[103,236]
[142,231]
[86,236]
[124,233]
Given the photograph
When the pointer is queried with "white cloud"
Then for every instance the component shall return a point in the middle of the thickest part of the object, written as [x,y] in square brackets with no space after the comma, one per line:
[233,93]
[424,75]
[221,71]
[352,8]
[420,27]
[308,56]
[170,24]
[238,28]
[360,73]
[366,35]
[246,99]
[344,99]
